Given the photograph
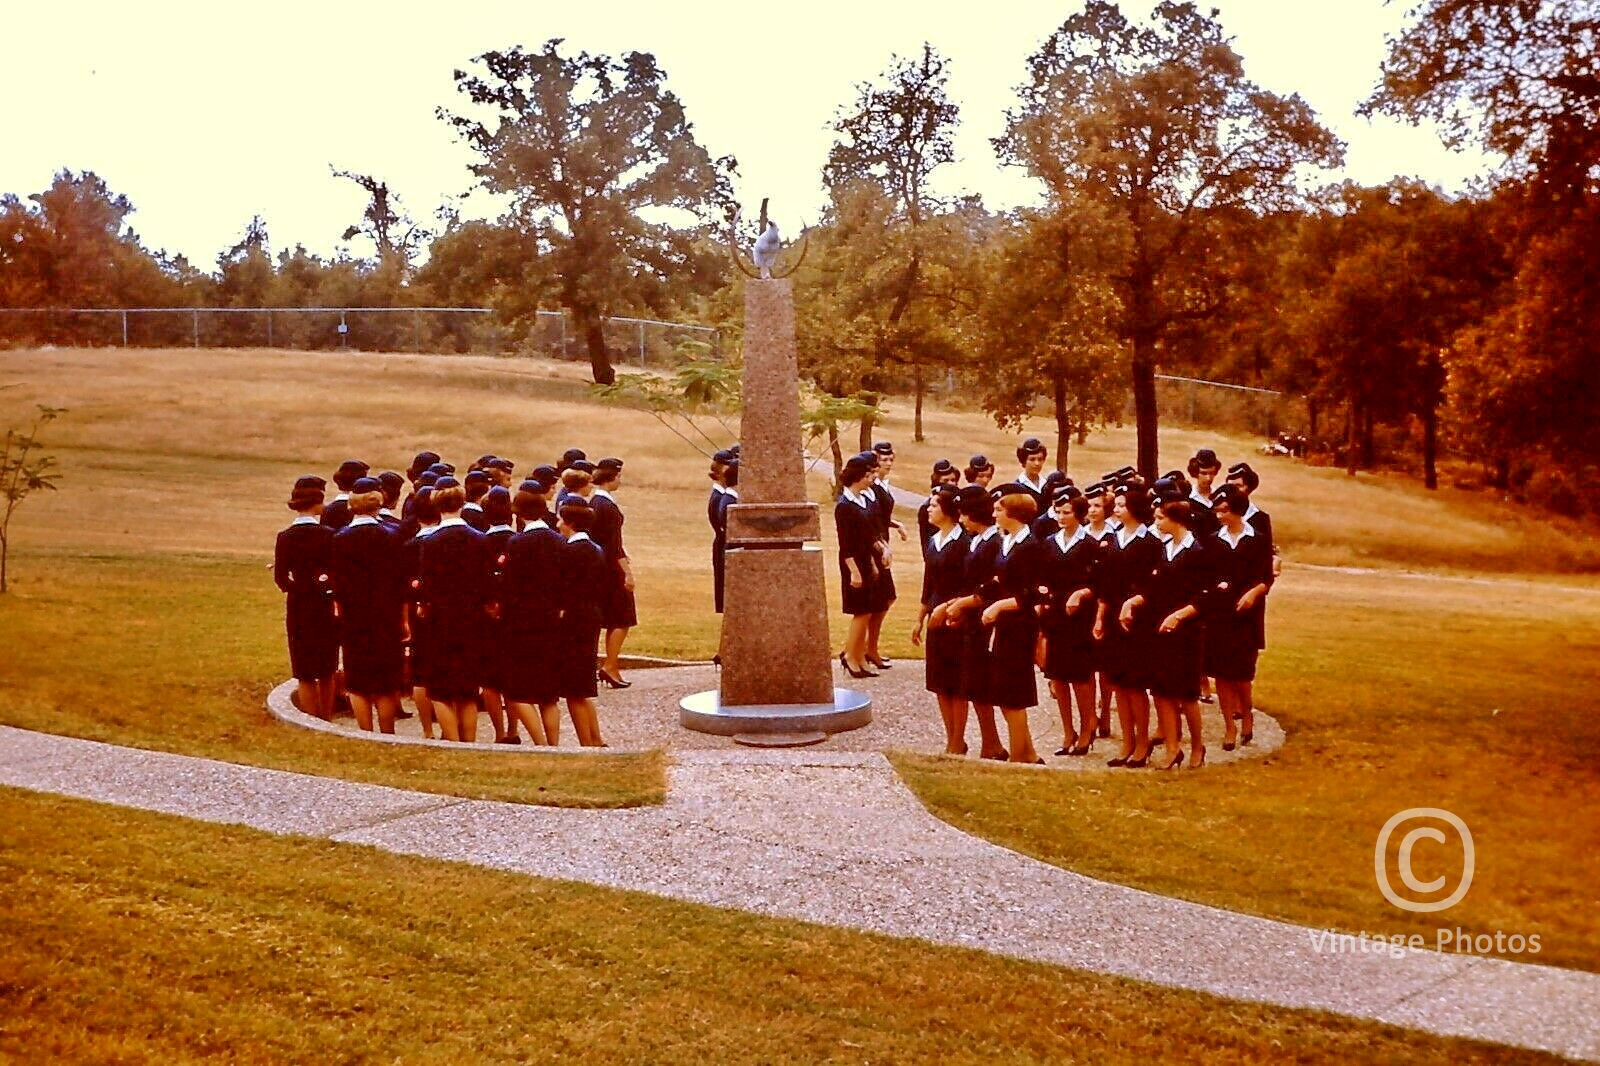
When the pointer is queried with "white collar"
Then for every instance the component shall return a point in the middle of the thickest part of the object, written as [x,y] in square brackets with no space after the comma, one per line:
[537,523]
[604,495]
[1250,512]
[452,520]
[1194,494]
[986,534]
[1176,547]
[718,489]
[1113,524]
[384,511]
[472,506]
[941,541]
[577,537]
[423,532]
[885,483]
[731,492]
[856,498]
[342,496]
[307,520]
[1125,538]
[363,520]
[1245,530]
[502,527]
[1037,486]
[1063,543]
[1011,540]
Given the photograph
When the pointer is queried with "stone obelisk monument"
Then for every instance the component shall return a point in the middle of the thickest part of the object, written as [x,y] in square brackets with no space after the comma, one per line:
[777,669]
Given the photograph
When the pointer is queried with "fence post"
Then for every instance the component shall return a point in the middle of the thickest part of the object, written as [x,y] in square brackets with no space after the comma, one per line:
[416,331]
[563,320]
[124,328]
[197,329]
[269,328]
[641,344]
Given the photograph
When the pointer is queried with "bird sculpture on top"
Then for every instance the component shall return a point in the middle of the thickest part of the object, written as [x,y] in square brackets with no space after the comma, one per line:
[767,250]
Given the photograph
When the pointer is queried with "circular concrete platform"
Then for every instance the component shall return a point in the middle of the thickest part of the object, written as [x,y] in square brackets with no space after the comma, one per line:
[704,712]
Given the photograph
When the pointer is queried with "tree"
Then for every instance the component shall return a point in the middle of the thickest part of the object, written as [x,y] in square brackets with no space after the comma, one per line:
[895,135]
[23,471]
[586,147]
[1159,125]
[1049,324]
[395,235]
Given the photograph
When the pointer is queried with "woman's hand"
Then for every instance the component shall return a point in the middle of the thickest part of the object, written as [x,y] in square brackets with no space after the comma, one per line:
[991,614]
[856,580]
[939,617]
[1075,601]
[916,636]
[1099,631]
[1173,621]
[1248,600]
[1125,617]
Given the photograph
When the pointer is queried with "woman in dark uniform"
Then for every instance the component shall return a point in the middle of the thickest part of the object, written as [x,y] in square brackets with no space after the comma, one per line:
[530,613]
[1071,560]
[1236,623]
[883,510]
[944,558]
[1010,616]
[452,597]
[717,516]
[961,613]
[422,523]
[1171,598]
[1125,651]
[491,655]
[368,584]
[1099,529]
[944,473]
[859,561]
[583,576]
[619,613]
[301,562]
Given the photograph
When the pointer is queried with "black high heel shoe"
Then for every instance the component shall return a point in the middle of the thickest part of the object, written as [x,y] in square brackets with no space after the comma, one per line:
[1177,761]
[881,664]
[611,682]
[852,671]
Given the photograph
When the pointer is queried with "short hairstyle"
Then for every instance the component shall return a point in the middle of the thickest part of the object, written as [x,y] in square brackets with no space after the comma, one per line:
[1250,479]
[423,508]
[574,480]
[530,506]
[606,475]
[578,516]
[857,468]
[977,507]
[1234,497]
[392,484]
[1031,446]
[1020,506]
[730,474]
[497,506]
[1179,511]
[1078,505]
[948,503]
[449,500]
[365,503]
[1137,499]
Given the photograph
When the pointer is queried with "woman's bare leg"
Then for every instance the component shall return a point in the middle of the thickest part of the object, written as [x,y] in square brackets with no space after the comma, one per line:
[308,697]
[495,705]
[419,696]
[449,723]
[467,720]
[550,713]
[1021,736]
[614,641]
[1167,714]
[989,746]
[855,642]
[528,715]
[1089,722]
[1061,692]
[388,704]
[362,710]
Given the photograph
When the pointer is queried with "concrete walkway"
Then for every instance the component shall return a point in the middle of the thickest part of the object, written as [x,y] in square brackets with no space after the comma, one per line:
[835,838]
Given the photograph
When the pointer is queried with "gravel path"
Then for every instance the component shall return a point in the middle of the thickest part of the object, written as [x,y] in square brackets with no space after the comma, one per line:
[833,836]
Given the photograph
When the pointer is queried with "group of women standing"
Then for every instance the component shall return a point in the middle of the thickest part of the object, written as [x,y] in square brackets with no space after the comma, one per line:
[1131,592]
[469,596]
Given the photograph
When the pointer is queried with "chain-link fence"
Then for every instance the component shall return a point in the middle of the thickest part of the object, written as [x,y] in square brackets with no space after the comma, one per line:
[1220,405]
[638,342]
[393,329]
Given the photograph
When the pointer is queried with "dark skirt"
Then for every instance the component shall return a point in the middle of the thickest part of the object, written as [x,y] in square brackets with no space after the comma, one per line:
[1069,648]
[1175,667]
[883,592]
[453,650]
[1011,680]
[313,640]
[1125,657]
[576,667]
[976,677]
[942,662]
[1231,648]
[491,654]
[529,670]
[619,611]
[374,660]
[863,600]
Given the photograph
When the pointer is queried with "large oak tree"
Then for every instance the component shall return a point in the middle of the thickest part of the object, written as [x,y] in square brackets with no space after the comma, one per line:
[1159,125]
[590,149]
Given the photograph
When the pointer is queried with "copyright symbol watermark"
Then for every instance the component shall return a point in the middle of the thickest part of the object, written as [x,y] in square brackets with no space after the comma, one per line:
[1408,875]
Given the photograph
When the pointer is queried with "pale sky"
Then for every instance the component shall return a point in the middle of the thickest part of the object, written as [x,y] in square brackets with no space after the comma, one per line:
[205,114]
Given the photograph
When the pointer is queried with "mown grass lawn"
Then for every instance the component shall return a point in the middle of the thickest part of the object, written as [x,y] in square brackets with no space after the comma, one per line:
[142,938]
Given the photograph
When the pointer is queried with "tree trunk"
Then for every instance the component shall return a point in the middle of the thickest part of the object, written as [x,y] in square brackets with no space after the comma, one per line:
[1430,446]
[1502,471]
[1063,423]
[837,452]
[916,377]
[1311,418]
[1369,451]
[594,338]
[869,420]
[1351,436]
[1145,418]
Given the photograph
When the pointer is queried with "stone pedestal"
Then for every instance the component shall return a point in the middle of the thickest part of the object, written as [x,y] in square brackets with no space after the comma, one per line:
[777,668]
